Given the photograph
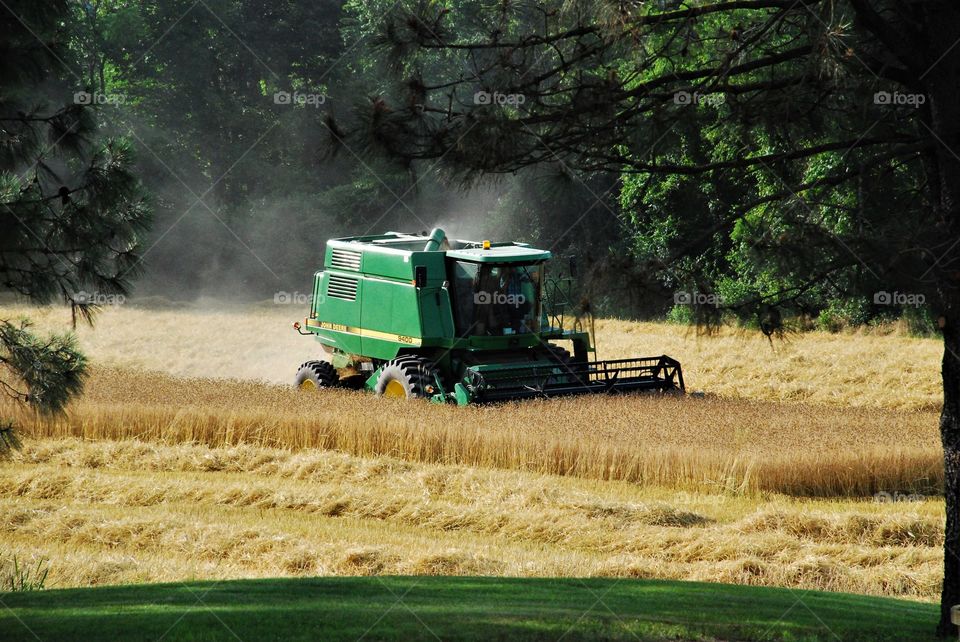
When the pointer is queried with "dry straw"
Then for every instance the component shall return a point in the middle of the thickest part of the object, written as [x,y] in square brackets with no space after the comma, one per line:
[688,443]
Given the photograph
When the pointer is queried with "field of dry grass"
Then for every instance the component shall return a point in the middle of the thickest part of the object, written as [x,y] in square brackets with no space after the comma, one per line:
[867,369]
[130,511]
[684,443]
[167,469]
[880,368]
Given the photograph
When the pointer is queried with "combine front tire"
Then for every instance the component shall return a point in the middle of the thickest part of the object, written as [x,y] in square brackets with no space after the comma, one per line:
[314,375]
[406,377]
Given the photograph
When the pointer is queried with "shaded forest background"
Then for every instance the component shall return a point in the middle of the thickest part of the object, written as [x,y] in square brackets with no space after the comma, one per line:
[226,103]
[228,106]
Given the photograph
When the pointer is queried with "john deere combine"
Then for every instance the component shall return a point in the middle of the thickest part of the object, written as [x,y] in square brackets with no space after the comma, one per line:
[408,315]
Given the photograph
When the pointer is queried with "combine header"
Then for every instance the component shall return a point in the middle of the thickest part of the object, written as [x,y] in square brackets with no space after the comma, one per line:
[408,315]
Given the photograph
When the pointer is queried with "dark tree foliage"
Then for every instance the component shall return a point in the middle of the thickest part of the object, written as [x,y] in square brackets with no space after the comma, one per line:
[773,152]
[51,369]
[71,211]
[223,160]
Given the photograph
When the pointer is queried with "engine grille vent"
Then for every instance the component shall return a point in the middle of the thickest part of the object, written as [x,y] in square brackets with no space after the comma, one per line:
[345,259]
[342,287]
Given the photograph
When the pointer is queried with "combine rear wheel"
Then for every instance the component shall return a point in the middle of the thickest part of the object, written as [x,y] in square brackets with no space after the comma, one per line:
[314,375]
[406,378]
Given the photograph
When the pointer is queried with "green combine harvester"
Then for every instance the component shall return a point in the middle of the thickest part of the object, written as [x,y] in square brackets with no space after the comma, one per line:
[421,316]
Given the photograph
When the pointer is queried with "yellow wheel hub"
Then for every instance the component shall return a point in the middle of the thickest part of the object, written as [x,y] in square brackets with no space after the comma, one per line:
[308,384]
[395,389]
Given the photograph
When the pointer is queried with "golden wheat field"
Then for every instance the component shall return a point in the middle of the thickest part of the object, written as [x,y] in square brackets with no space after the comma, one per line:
[876,369]
[184,459]
[686,443]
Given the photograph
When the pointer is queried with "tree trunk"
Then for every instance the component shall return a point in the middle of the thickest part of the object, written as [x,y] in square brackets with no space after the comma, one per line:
[950,436]
[940,69]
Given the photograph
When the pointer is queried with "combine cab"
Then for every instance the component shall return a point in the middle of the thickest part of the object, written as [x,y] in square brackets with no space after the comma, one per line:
[407,315]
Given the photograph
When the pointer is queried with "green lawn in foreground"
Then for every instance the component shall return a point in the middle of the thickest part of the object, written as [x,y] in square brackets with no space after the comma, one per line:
[471,608]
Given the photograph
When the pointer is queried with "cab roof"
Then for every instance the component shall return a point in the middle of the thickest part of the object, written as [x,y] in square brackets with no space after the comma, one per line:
[500,253]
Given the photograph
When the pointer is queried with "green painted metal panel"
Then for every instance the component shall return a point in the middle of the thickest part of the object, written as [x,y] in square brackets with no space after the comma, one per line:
[317,281]
[344,341]
[388,261]
[335,302]
[390,308]
[436,315]
[337,307]
[381,348]
[400,265]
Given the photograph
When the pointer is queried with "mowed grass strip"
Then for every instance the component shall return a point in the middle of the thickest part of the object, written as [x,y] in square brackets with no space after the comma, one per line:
[462,608]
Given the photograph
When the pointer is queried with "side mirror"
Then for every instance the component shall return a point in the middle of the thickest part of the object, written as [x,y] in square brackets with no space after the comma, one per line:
[420,276]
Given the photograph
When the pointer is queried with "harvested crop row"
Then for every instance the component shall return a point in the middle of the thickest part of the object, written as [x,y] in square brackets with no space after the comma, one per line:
[328,513]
